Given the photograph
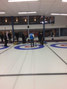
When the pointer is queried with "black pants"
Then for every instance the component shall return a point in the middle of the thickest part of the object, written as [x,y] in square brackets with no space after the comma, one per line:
[5,43]
[41,41]
[32,42]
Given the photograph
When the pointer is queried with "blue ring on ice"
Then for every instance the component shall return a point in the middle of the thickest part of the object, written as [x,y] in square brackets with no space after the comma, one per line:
[4,47]
[56,45]
[31,48]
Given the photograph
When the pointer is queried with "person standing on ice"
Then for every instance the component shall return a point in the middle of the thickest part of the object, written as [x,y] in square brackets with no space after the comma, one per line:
[31,36]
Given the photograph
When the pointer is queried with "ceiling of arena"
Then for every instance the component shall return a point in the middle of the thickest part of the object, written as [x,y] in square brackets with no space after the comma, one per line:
[42,7]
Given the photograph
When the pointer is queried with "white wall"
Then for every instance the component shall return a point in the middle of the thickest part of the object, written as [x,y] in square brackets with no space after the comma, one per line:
[5,27]
[60,22]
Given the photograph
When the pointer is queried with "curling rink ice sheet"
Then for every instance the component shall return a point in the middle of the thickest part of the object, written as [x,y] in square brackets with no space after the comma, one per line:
[60,48]
[3,48]
[34,68]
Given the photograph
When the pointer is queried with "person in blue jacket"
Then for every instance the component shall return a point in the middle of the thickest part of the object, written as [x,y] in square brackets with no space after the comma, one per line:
[31,36]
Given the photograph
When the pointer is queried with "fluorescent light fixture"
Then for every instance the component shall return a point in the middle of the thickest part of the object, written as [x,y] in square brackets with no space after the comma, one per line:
[21,0]
[64,0]
[58,14]
[64,14]
[2,12]
[27,12]
[55,14]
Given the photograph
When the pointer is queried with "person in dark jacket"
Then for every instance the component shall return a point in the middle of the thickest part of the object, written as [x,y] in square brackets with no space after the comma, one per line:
[23,38]
[41,39]
[17,36]
[5,38]
[9,36]
[2,37]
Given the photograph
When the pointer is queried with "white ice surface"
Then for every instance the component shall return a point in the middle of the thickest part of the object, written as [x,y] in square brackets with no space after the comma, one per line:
[43,60]
[62,52]
[5,49]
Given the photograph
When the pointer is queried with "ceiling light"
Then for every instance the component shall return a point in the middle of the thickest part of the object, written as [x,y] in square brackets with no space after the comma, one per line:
[58,14]
[21,0]
[6,20]
[27,12]
[64,0]
[2,12]
[55,14]
[34,19]
[16,19]
[64,14]
[25,20]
